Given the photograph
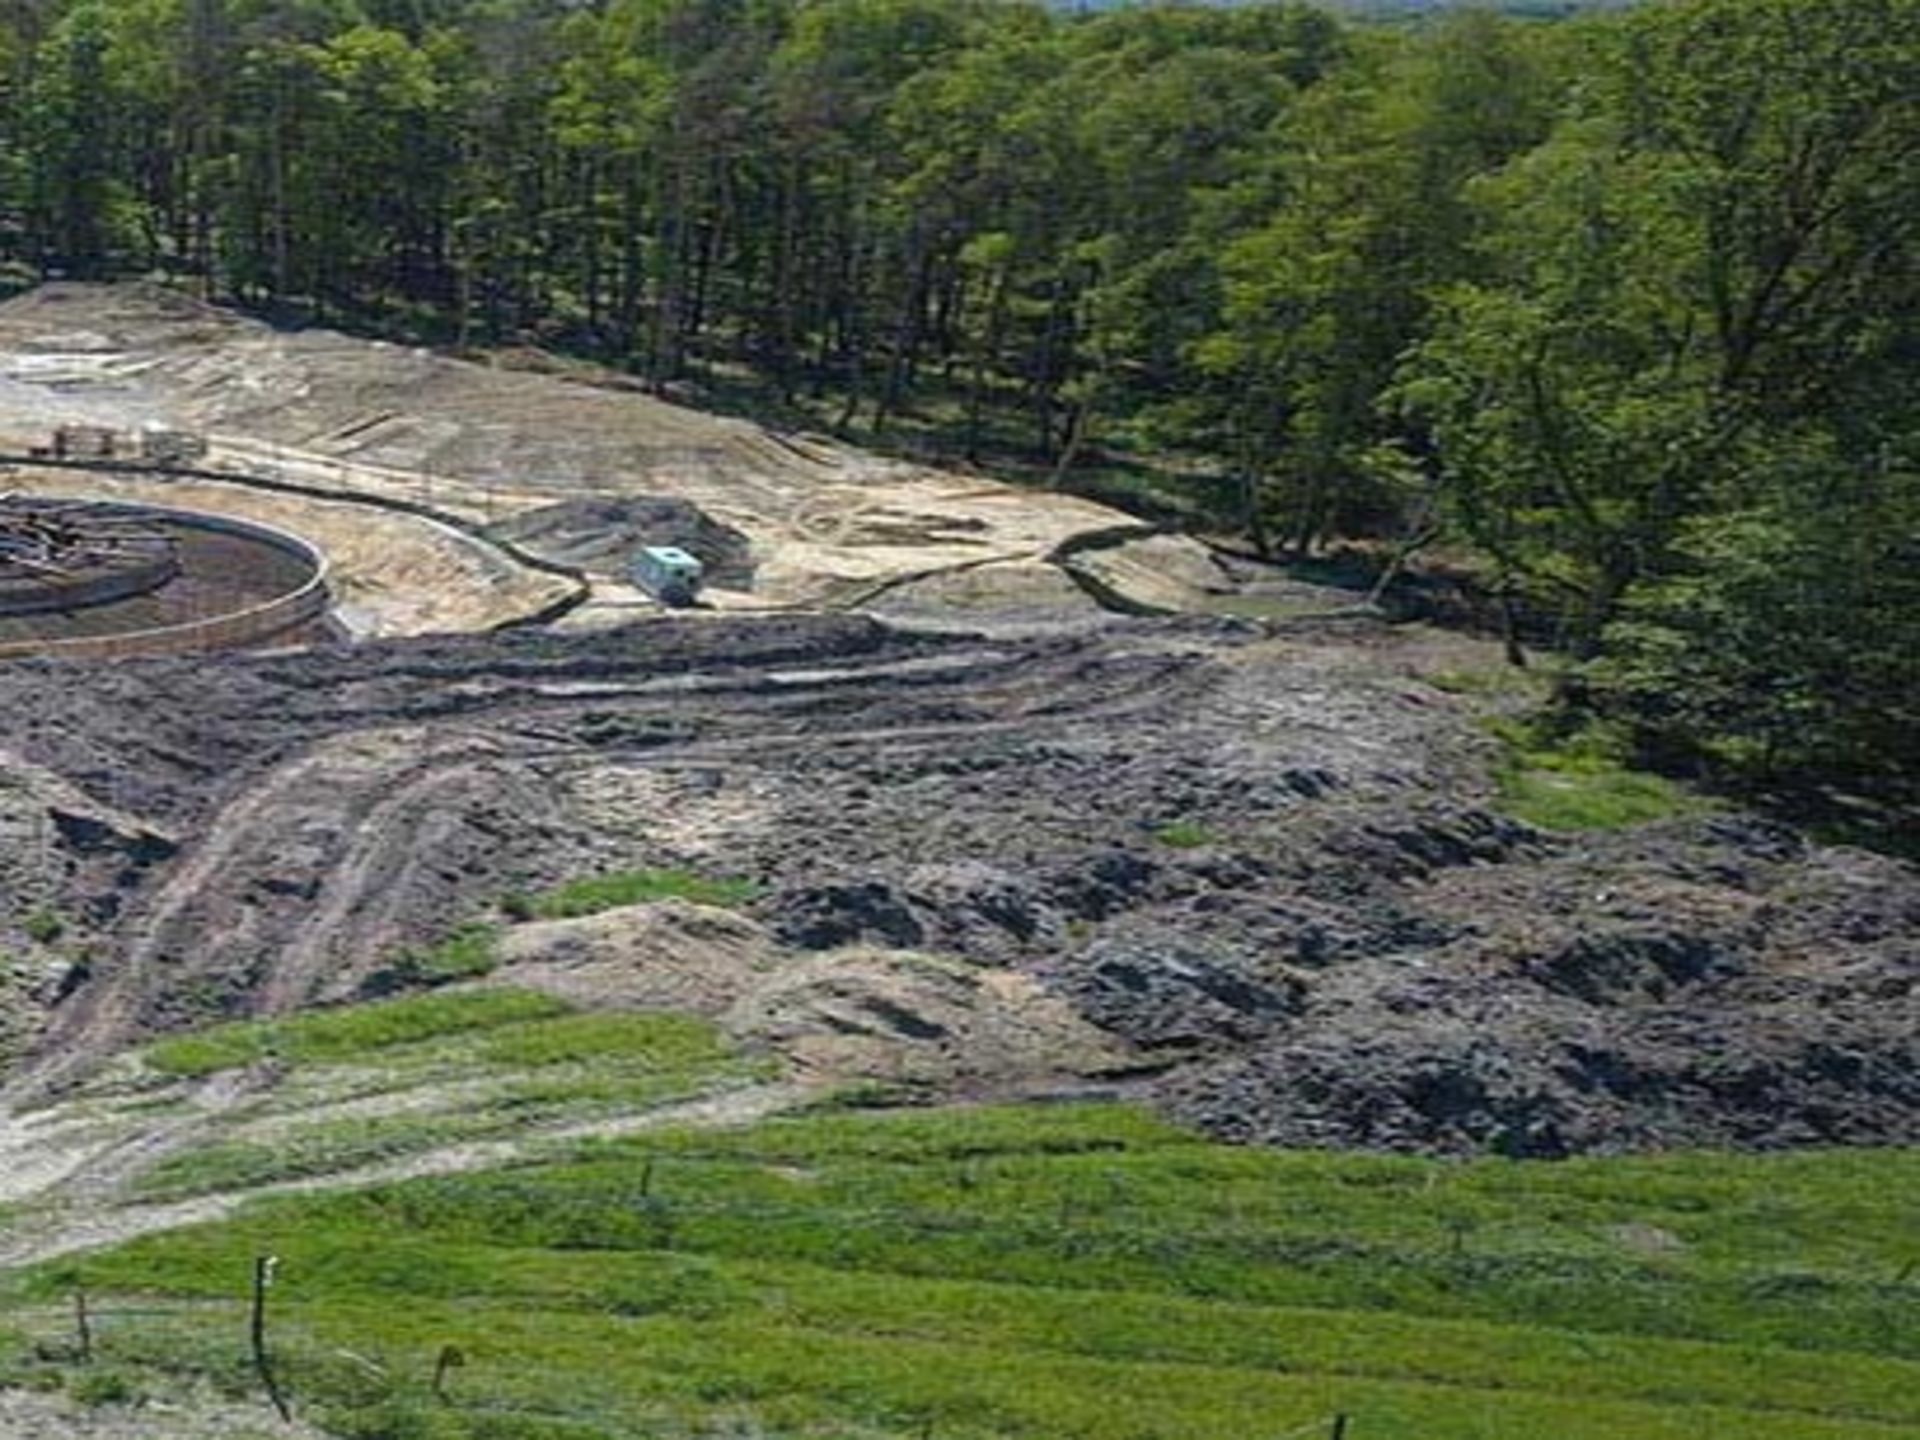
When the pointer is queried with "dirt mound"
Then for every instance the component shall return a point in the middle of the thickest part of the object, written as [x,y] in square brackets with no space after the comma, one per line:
[602,535]
[1268,866]
[896,1016]
[1026,595]
[668,956]
[1157,575]
[1705,984]
[915,1019]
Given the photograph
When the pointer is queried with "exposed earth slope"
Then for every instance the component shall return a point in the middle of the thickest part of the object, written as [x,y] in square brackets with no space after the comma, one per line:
[1266,867]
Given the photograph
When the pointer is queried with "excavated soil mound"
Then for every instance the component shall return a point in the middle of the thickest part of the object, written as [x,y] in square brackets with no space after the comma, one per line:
[1267,868]
[915,1019]
[896,1016]
[668,956]
[602,535]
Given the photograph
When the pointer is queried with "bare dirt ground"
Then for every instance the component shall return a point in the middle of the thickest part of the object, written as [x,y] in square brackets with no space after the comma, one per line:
[25,1415]
[1004,841]
[1264,866]
[830,527]
[857,1012]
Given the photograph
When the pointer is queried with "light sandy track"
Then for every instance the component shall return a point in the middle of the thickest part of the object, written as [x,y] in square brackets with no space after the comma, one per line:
[87,1217]
[27,1415]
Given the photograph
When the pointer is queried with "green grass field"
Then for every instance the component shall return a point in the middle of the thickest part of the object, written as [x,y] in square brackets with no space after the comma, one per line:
[349,1033]
[1054,1272]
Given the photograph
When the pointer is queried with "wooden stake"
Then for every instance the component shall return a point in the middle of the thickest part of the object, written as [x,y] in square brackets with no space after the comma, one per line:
[450,1359]
[262,1278]
[82,1325]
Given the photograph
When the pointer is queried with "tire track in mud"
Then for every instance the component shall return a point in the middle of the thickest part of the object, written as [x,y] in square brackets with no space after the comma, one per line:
[410,784]
[347,815]
[400,825]
[1339,944]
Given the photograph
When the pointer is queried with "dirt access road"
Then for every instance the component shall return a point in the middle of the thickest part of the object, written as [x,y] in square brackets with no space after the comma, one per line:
[1266,866]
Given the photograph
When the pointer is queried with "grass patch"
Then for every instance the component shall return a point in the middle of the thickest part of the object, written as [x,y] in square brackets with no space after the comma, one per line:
[1577,798]
[309,1150]
[44,927]
[663,1041]
[1076,1273]
[350,1033]
[597,893]
[1581,781]
[466,954]
[105,1387]
[1185,835]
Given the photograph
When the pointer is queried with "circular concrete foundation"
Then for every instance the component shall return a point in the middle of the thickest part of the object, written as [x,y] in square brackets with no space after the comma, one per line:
[98,579]
[73,555]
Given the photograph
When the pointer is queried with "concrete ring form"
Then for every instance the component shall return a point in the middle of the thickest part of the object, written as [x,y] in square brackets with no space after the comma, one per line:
[72,555]
[215,583]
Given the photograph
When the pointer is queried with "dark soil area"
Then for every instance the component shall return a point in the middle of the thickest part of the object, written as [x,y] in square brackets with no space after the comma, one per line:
[1268,862]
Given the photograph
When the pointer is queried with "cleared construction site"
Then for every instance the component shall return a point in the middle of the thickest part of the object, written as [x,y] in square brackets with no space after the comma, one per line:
[448,496]
[1000,837]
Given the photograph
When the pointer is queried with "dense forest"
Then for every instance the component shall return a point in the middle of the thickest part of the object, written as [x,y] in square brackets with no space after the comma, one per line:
[1621,308]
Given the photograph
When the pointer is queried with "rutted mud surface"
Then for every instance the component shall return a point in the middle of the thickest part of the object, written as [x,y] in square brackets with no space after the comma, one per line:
[1339,943]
